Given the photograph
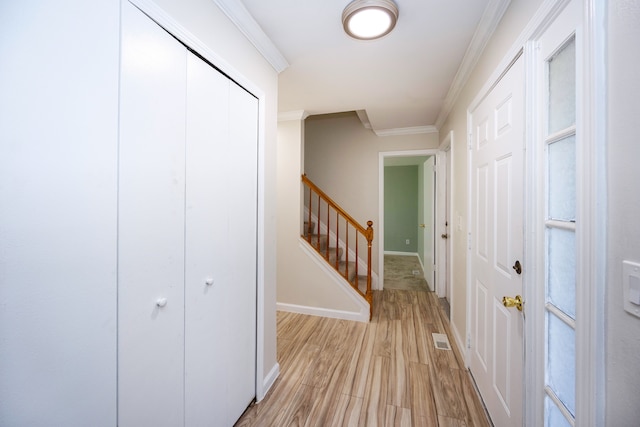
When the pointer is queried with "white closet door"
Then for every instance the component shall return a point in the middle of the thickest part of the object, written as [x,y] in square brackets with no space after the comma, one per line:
[151,225]
[242,249]
[207,336]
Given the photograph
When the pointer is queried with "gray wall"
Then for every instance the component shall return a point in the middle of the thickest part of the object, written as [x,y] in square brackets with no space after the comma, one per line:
[401,208]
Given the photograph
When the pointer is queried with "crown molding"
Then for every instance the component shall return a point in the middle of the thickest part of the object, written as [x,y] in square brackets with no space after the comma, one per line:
[406,131]
[292,115]
[488,23]
[364,118]
[240,16]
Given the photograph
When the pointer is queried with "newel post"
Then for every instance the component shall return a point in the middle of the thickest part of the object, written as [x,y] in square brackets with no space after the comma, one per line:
[369,295]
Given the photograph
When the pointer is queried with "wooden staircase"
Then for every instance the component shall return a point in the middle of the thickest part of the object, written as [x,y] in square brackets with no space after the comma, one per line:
[338,238]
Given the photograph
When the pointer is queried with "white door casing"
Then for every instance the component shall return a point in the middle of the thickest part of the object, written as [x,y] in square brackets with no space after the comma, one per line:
[443,197]
[428,220]
[496,243]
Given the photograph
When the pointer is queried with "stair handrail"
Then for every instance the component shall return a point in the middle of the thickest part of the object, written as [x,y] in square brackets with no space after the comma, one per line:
[366,232]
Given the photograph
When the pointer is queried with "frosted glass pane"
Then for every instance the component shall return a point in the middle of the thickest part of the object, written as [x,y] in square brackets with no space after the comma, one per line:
[561,361]
[561,270]
[553,417]
[562,179]
[562,88]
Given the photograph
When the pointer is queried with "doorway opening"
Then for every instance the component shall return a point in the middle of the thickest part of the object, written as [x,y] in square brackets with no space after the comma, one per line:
[407,213]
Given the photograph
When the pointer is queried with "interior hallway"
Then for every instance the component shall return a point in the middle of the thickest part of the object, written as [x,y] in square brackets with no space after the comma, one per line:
[386,372]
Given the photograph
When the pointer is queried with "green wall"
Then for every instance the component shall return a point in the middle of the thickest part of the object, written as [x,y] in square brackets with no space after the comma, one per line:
[401,208]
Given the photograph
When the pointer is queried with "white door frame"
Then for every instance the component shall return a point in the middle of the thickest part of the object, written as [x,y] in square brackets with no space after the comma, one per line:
[379,230]
[429,253]
[590,344]
[264,380]
[443,214]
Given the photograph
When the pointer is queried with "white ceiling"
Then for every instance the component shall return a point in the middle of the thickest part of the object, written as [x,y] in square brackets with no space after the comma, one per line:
[404,81]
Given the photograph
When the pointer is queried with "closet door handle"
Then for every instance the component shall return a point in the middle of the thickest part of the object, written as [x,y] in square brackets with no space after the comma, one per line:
[161,302]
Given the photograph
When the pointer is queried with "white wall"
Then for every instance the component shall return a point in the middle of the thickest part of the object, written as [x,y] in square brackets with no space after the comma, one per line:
[58,177]
[58,183]
[623,151]
[342,156]
[513,22]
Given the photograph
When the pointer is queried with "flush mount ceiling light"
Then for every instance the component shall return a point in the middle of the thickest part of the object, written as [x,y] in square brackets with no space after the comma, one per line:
[369,19]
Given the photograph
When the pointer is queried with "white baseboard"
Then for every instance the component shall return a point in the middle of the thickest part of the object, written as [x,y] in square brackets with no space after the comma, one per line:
[362,316]
[268,381]
[402,253]
[462,345]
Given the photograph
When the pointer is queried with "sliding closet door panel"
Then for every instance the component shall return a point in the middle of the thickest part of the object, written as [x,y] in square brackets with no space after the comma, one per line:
[207,336]
[242,248]
[151,225]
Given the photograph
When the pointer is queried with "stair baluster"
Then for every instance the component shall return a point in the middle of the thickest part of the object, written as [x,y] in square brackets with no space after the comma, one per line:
[322,242]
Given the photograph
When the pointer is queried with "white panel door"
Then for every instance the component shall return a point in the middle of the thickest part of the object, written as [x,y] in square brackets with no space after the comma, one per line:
[208,275]
[429,222]
[240,295]
[151,225]
[497,169]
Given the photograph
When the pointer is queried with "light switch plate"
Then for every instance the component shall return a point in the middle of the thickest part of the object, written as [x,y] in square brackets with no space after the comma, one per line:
[631,287]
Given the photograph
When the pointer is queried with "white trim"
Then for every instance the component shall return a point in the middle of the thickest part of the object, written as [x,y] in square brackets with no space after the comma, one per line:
[443,177]
[416,130]
[297,115]
[460,342]
[380,231]
[269,379]
[240,16]
[323,312]
[405,131]
[534,247]
[467,349]
[591,343]
[402,254]
[491,17]
[166,21]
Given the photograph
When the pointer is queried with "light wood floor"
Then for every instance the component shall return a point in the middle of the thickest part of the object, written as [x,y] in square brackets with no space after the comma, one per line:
[383,373]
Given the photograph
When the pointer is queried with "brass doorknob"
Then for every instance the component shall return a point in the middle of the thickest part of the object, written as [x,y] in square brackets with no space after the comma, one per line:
[513,302]
[422,225]
[444,236]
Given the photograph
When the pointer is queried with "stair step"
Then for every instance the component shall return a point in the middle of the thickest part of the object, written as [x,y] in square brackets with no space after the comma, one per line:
[318,242]
[333,256]
[342,268]
[309,228]
[362,283]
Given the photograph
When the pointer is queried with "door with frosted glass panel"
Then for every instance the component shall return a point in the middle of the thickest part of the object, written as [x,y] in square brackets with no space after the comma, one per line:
[559,139]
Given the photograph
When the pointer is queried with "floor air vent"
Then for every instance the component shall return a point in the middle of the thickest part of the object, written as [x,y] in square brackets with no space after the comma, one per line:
[441,341]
